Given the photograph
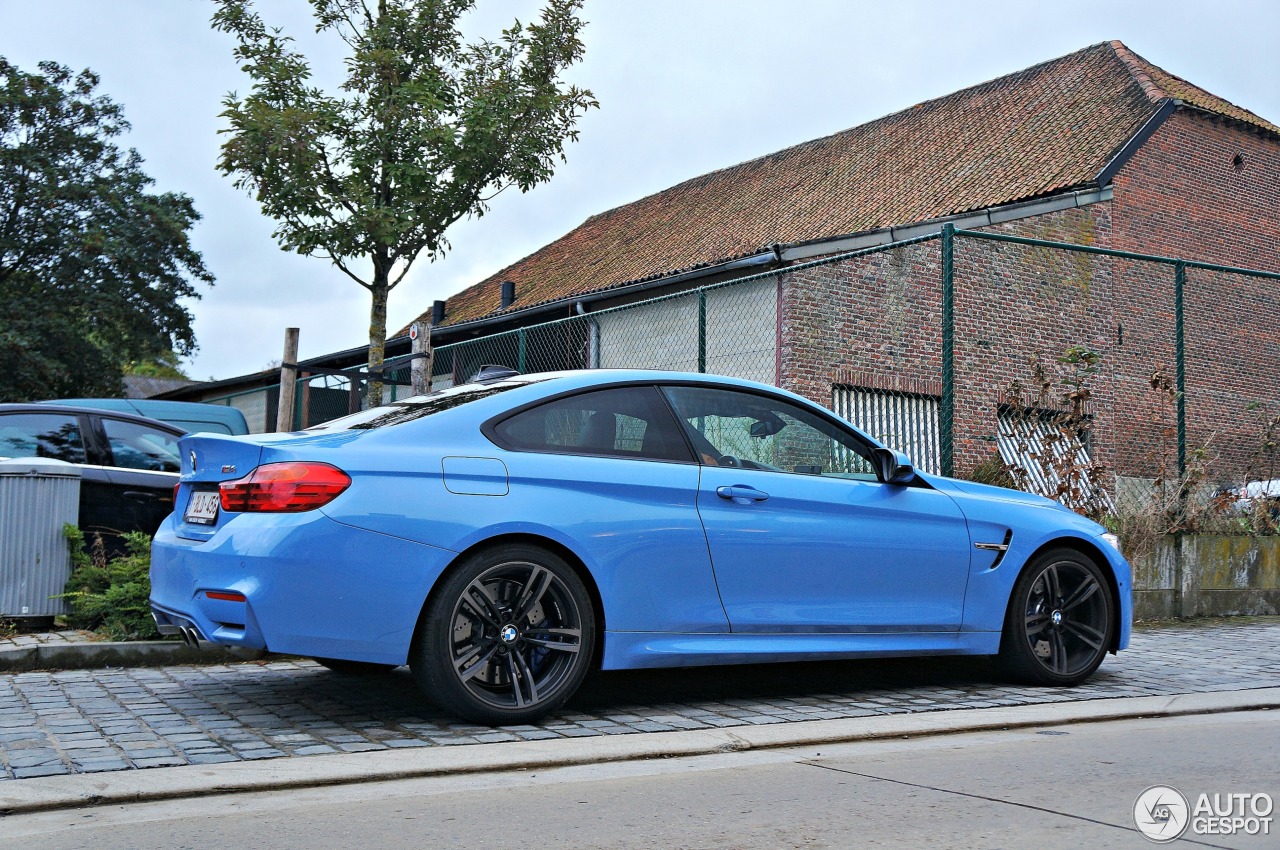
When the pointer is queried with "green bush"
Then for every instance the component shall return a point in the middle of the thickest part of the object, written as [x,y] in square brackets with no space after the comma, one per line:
[110,595]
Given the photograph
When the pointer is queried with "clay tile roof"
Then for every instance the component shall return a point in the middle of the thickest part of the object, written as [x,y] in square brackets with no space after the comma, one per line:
[1159,83]
[1047,129]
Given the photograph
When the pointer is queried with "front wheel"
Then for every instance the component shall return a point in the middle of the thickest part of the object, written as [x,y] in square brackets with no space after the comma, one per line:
[1060,622]
[508,637]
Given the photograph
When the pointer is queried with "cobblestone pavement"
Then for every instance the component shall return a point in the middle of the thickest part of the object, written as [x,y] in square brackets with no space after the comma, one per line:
[86,721]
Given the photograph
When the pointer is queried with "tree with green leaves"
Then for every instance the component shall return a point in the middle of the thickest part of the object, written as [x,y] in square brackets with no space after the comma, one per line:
[92,262]
[424,130]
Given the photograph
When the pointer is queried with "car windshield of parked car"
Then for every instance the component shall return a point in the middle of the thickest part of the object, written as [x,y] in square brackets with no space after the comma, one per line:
[135,446]
[417,407]
[629,422]
[52,435]
[732,428]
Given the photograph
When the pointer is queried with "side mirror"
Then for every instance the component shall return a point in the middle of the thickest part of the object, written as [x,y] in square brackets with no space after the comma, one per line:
[893,467]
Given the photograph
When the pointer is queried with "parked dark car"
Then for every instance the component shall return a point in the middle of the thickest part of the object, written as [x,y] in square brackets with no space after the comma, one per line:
[128,464]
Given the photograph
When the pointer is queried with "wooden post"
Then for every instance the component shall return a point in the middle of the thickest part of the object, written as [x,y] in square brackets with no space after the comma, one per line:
[288,381]
[420,367]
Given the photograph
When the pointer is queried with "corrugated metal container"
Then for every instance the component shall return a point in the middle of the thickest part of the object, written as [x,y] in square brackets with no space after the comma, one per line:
[37,496]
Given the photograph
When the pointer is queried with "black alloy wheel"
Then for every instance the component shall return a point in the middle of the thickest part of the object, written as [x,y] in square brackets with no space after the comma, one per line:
[507,638]
[1061,620]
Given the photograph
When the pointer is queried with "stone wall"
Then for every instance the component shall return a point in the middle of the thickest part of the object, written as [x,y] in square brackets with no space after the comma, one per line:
[1206,575]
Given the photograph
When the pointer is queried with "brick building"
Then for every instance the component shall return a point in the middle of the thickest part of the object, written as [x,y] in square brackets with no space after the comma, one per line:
[1098,148]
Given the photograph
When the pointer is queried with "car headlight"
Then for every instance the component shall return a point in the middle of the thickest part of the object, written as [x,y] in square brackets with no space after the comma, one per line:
[1112,539]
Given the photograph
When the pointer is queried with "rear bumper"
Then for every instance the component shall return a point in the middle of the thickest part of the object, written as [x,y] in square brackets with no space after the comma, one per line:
[301,584]
[170,623]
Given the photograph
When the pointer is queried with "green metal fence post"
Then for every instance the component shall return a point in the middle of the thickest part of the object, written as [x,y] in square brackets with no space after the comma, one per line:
[522,355]
[1180,344]
[702,330]
[947,407]
[299,409]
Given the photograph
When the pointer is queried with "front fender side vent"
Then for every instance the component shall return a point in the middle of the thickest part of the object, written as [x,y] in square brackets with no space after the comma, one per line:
[999,548]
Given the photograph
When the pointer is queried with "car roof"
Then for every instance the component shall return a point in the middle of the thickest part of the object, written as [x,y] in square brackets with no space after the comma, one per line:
[572,378]
[40,407]
[550,384]
[186,415]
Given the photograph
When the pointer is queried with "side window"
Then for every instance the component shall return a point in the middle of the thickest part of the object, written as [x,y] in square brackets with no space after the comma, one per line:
[52,435]
[623,422]
[731,428]
[135,446]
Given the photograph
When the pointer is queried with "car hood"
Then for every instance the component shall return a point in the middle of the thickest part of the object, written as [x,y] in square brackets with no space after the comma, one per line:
[990,493]
[1001,508]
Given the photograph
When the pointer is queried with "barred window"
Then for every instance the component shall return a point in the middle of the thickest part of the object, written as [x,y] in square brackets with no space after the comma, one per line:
[907,422]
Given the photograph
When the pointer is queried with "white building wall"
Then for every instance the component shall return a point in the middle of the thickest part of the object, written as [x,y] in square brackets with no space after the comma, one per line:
[741,333]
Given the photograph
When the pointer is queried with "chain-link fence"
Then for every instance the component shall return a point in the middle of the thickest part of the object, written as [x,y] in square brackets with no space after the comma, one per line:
[1153,380]
[1108,380]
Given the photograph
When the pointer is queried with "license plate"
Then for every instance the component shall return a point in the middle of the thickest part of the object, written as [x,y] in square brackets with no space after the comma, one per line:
[203,508]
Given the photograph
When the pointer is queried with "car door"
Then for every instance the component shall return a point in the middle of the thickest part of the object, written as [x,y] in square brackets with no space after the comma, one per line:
[144,466]
[611,467]
[803,537]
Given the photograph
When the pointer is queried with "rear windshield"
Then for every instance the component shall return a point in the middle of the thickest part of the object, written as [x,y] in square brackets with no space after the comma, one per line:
[417,407]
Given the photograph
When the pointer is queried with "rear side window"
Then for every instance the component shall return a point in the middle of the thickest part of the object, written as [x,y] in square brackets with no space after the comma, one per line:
[632,422]
[52,435]
[135,446]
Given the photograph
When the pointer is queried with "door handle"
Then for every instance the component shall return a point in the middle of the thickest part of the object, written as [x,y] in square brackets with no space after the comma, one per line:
[741,494]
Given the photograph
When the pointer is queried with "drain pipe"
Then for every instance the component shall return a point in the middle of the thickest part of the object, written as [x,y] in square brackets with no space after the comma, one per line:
[593,339]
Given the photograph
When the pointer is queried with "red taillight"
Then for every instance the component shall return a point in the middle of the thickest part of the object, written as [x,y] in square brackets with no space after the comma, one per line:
[175,494]
[284,488]
[225,595]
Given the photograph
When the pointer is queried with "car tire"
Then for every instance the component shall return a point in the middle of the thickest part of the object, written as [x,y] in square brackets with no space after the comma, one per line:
[507,636]
[1060,621]
[354,668]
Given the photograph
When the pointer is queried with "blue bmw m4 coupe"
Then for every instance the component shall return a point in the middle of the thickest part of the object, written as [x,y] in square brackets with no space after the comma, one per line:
[505,537]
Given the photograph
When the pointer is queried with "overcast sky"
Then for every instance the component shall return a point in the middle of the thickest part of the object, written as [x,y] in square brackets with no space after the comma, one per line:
[685,87]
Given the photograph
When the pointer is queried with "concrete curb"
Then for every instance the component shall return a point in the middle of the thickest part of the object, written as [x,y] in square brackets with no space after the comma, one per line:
[67,792]
[97,654]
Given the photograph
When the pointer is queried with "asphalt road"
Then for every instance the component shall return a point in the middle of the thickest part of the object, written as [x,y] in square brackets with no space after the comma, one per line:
[1069,786]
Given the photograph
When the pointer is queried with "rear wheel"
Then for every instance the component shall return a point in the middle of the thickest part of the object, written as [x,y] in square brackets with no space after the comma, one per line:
[1060,622]
[507,638]
[354,668]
